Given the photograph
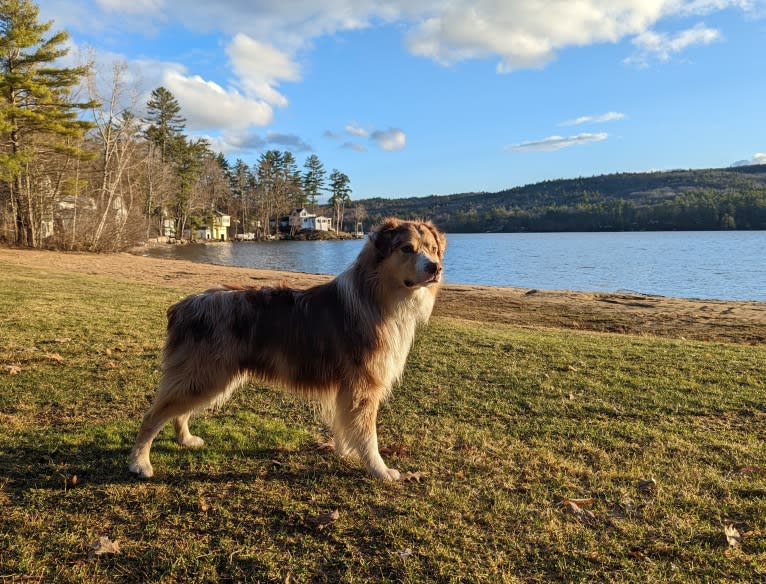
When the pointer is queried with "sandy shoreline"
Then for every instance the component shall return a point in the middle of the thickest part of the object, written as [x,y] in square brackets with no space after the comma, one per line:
[727,321]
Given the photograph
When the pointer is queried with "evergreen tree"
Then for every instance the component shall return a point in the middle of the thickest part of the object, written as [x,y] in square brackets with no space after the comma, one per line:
[313,179]
[292,178]
[190,160]
[38,117]
[166,125]
[341,196]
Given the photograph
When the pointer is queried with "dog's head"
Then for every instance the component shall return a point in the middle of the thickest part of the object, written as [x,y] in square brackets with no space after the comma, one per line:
[410,252]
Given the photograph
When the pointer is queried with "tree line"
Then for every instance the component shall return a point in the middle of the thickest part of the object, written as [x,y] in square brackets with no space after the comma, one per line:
[81,168]
[709,199]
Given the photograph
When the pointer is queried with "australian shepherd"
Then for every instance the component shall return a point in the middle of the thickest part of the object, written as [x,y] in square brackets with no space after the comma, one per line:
[343,343]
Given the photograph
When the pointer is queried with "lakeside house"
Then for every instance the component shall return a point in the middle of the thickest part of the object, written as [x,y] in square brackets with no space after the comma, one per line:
[302,219]
[217,227]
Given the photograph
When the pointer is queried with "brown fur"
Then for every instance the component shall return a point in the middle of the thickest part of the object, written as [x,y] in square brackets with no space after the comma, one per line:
[343,343]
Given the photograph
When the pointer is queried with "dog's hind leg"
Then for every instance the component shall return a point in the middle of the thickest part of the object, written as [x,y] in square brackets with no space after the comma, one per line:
[183,436]
[181,423]
[166,406]
[356,428]
[179,394]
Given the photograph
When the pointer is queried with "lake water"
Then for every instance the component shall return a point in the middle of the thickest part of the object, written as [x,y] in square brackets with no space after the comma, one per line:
[727,265]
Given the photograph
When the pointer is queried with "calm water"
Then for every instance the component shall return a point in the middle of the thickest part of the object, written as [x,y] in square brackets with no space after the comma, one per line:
[728,265]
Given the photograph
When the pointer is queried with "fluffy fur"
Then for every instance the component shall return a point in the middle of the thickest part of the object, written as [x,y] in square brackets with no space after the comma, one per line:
[343,343]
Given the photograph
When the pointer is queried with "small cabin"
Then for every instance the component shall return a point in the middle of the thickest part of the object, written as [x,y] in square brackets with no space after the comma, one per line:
[302,219]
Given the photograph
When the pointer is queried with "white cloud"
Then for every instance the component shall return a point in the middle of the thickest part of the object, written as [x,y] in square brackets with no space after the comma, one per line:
[651,45]
[260,68]
[230,142]
[557,142]
[288,25]
[758,158]
[355,130]
[519,34]
[389,140]
[206,105]
[292,141]
[607,117]
[527,34]
[246,140]
[355,146]
[131,6]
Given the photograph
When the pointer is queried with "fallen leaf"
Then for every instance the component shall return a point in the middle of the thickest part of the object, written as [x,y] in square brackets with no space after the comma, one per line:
[62,340]
[203,505]
[581,514]
[323,521]
[54,357]
[648,487]
[328,446]
[405,553]
[733,537]
[103,545]
[412,476]
[13,369]
[111,365]
[395,450]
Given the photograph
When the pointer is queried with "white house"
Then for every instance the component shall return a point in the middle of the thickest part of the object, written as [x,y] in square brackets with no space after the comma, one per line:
[302,219]
[322,223]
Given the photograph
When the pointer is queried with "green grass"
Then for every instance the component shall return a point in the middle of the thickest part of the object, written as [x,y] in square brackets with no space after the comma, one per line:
[506,422]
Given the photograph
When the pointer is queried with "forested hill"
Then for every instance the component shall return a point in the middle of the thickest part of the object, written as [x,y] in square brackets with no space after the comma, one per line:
[710,199]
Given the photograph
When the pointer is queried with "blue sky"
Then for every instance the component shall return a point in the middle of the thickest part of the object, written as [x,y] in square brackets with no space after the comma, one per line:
[420,97]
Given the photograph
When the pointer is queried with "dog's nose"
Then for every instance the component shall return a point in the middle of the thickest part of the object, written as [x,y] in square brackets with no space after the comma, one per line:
[433,268]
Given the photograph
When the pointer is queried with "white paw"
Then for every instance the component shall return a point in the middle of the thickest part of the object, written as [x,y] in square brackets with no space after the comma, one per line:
[387,474]
[392,475]
[192,442]
[143,470]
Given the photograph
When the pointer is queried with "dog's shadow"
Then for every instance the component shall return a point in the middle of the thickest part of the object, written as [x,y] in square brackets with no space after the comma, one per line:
[57,461]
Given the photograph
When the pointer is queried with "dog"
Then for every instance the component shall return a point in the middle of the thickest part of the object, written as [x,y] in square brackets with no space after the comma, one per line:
[343,343]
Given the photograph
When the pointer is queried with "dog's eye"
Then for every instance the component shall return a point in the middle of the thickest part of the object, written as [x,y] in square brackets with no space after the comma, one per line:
[408,249]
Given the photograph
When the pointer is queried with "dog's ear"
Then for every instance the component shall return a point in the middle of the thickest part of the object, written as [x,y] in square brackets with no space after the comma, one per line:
[441,238]
[383,235]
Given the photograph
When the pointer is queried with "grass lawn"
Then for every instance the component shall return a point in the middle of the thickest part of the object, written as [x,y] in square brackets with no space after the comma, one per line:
[510,424]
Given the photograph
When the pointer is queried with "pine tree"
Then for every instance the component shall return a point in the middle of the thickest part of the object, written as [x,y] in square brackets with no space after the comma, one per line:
[341,196]
[313,179]
[39,120]
[166,125]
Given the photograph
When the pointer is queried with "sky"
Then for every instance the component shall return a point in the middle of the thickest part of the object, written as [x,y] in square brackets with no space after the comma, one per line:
[423,97]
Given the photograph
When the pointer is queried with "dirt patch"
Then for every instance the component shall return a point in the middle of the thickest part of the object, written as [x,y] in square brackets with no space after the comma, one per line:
[738,322]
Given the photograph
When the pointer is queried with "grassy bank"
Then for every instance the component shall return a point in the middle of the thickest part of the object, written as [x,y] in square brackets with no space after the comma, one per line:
[506,421]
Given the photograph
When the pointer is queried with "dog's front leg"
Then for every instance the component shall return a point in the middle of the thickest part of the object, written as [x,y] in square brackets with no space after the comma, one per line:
[356,426]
